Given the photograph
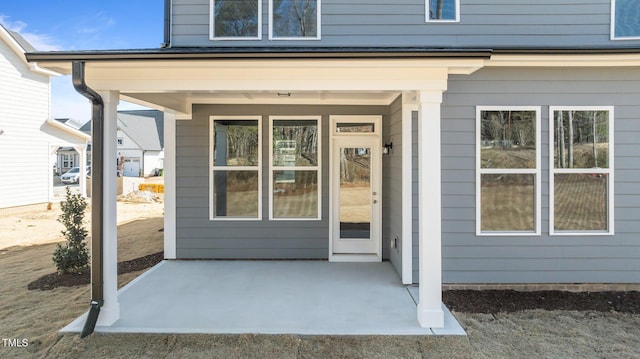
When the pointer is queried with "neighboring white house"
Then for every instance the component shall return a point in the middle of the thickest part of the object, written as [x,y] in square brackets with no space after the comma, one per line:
[140,141]
[29,139]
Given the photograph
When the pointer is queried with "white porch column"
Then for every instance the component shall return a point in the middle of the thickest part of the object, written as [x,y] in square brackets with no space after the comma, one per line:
[169,168]
[430,314]
[82,154]
[110,311]
[53,159]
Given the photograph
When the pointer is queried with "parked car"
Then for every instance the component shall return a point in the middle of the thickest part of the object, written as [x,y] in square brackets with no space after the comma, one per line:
[73,175]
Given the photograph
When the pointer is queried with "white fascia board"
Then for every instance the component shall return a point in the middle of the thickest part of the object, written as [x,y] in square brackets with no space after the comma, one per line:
[563,60]
[81,135]
[6,37]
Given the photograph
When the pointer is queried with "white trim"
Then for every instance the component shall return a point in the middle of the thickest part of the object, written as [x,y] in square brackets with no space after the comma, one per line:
[429,309]
[110,311]
[213,168]
[212,25]
[613,26]
[537,172]
[609,171]
[317,167]
[318,25]
[407,190]
[169,169]
[428,19]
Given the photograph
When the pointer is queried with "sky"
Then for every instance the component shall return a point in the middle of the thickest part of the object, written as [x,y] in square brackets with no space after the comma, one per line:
[67,25]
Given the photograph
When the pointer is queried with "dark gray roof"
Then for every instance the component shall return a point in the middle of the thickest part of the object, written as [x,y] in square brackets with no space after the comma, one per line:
[26,46]
[145,127]
[205,53]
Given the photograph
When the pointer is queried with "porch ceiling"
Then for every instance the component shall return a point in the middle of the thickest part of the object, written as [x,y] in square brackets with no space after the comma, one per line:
[181,101]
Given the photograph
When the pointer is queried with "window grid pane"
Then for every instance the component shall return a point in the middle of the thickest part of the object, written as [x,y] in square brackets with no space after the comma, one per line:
[295,194]
[580,202]
[236,18]
[294,19]
[235,194]
[508,202]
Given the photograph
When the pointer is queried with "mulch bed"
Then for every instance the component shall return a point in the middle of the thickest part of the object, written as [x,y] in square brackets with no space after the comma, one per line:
[54,280]
[496,301]
[468,301]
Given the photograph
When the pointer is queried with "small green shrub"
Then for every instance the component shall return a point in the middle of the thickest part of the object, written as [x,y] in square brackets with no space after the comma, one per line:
[72,256]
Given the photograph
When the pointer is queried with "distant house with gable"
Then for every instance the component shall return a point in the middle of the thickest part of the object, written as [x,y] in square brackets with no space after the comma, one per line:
[140,142]
[29,138]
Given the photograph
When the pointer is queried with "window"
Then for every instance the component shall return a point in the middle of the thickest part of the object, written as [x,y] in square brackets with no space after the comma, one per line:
[625,19]
[120,141]
[235,175]
[443,10]
[295,168]
[581,176]
[294,19]
[236,20]
[508,171]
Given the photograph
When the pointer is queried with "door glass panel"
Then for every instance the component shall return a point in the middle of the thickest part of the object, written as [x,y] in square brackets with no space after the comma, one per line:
[355,192]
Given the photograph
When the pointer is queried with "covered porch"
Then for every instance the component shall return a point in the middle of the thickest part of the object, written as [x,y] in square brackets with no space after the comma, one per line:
[178,83]
[270,297]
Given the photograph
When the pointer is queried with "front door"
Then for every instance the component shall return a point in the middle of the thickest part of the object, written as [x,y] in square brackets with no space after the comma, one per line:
[356,198]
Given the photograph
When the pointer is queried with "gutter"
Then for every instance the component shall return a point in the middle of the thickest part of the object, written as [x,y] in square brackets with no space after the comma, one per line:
[97,195]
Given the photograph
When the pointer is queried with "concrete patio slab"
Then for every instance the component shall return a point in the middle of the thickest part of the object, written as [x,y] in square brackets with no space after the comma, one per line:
[269,297]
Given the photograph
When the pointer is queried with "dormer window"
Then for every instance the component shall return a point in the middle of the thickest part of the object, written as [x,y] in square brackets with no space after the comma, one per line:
[236,20]
[625,20]
[443,11]
[294,19]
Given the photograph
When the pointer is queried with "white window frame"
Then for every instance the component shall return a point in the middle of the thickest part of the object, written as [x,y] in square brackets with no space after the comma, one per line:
[534,171]
[613,25]
[318,26]
[317,168]
[212,25]
[428,19]
[609,171]
[213,168]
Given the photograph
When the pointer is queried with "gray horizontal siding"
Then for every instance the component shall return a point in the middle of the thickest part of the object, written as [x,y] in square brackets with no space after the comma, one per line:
[199,237]
[392,186]
[483,23]
[471,259]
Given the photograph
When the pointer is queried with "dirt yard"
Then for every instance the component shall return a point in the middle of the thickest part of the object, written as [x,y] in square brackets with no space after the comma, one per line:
[30,319]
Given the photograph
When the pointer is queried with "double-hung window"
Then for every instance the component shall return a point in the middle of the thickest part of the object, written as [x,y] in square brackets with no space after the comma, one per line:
[236,20]
[295,168]
[581,178]
[235,172]
[442,10]
[294,19]
[508,171]
[625,19]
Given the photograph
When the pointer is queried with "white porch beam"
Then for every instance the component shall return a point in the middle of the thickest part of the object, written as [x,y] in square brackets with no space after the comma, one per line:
[169,168]
[430,314]
[110,311]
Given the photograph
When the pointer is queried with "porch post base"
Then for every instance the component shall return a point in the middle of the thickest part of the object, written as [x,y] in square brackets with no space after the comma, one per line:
[109,314]
[430,318]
